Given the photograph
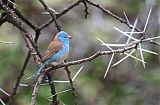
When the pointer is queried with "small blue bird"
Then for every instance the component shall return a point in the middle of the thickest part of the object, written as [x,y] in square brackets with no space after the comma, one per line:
[57,51]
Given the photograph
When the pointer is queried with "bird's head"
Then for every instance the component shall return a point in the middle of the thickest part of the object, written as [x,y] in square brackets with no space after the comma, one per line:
[63,37]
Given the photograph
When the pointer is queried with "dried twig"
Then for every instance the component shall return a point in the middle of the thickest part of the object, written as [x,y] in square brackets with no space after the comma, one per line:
[71,83]
[61,13]
[30,43]
[9,10]
[36,89]
[86,9]
[53,90]
[52,14]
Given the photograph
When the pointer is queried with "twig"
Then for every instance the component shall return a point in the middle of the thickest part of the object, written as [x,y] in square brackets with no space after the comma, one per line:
[3,18]
[112,15]
[60,14]
[99,53]
[86,9]
[15,88]
[30,43]
[51,13]
[19,79]
[71,83]
[27,21]
[36,88]
[53,90]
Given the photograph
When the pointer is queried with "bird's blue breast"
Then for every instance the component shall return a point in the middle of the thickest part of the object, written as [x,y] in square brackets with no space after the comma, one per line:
[59,55]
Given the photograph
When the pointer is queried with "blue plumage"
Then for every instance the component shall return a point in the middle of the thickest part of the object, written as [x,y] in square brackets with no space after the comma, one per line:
[57,51]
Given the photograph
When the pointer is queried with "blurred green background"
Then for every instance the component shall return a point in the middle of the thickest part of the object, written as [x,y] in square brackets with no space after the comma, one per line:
[126,84]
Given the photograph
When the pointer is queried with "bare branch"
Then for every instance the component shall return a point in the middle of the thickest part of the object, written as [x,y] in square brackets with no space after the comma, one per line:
[71,83]
[36,89]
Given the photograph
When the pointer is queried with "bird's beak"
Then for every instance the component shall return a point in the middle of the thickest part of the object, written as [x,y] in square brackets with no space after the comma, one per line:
[69,37]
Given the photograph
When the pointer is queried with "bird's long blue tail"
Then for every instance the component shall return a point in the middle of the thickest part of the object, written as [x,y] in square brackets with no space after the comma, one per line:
[39,70]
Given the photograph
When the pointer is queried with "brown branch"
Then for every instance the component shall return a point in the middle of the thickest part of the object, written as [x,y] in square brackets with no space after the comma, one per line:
[15,88]
[53,90]
[3,18]
[72,87]
[61,13]
[112,15]
[132,45]
[27,37]
[18,13]
[36,89]
[88,59]
[52,14]
[4,14]
[30,43]
[33,47]
[27,21]
[54,67]
[86,9]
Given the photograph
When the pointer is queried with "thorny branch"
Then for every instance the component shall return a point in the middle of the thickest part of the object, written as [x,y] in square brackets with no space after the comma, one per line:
[33,49]
[111,14]
[72,87]
[36,89]
[30,43]
[61,13]
[53,90]
[130,46]
[29,55]
[52,14]
[86,9]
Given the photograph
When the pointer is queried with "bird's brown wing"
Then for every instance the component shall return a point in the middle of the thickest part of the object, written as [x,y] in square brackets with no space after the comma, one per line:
[53,48]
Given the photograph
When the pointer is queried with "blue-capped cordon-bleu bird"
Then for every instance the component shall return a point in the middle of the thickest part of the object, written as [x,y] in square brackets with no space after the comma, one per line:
[57,51]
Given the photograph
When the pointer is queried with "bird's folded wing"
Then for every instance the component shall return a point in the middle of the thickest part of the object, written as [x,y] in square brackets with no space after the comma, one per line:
[52,49]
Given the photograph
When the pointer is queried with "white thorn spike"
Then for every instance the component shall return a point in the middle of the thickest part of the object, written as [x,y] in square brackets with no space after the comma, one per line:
[109,65]
[3,91]
[23,85]
[126,17]
[141,54]
[134,57]
[59,93]
[29,77]
[147,19]
[133,32]
[7,42]
[116,45]
[151,52]
[77,73]
[61,101]
[58,81]
[102,43]
[158,37]
[125,34]
[124,58]
[133,29]
[2,102]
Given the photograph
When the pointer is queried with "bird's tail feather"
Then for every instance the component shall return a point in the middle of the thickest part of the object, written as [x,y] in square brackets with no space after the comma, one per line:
[39,70]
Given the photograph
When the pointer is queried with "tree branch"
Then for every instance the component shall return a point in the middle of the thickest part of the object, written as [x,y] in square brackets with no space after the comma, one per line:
[30,43]
[72,87]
